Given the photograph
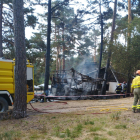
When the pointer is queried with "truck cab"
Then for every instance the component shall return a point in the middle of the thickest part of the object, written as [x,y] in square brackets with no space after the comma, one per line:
[7,83]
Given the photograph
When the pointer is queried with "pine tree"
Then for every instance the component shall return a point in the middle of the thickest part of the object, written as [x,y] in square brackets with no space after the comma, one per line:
[8,28]
[20,106]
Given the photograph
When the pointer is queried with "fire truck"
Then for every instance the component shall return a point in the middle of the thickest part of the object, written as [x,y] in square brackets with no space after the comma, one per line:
[7,83]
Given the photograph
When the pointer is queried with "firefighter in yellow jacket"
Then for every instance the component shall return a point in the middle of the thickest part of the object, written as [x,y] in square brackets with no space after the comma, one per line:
[135,88]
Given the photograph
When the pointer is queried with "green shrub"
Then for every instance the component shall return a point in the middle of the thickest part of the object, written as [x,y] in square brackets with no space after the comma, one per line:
[94,129]
[57,131]
[10,135]
[89,122]
[99,138]
[120,126]
[68,133]
[77,130]
[116,116]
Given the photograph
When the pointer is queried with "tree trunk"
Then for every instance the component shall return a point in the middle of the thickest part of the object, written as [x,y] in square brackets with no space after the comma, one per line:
[57,59]
[129,16]
[47,66]
[94,58]
[1,48]
[57,49]
[128,44]
[20,105]
[101,48]
[63,60]
[103,92]
[94,54]
[57,65]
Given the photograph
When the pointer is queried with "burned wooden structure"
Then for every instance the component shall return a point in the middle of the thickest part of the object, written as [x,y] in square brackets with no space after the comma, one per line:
[73,83]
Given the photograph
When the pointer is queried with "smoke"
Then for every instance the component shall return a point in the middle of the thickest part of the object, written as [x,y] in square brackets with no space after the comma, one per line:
[88,67]
[78,81]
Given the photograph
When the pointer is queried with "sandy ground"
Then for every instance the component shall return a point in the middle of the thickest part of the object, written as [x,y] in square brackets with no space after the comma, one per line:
[65,106]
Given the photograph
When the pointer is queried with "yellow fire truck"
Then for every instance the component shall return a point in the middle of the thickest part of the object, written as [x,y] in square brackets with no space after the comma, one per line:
[7,83]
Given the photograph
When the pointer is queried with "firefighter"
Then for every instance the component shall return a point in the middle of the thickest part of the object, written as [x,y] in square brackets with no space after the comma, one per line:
[124,88]
[135,89]
[118,89]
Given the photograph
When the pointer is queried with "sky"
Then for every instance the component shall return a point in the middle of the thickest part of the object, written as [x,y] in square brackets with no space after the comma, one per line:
[41,10]
[29,30]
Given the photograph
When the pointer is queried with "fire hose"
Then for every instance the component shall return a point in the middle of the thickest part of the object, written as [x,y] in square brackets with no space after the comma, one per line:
[107,108]
[47,112]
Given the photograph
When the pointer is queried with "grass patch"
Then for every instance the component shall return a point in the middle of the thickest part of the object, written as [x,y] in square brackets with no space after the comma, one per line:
[53,118]
[110,133]
[78,128]
[99,138]
[62,135]
[121,126]
[68,133]
[89,122]
[44,129]
[34,136]
[135,137]
[87,139]
[57,131]
[94,129]
[16,125]
[69,126]
[93,134]
[115,116]
[49,138]
[75,132]
[9,135]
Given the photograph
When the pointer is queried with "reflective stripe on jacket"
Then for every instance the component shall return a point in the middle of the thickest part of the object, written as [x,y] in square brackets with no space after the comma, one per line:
[119,88]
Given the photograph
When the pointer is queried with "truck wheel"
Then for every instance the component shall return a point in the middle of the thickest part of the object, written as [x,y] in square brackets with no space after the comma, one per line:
[3,105]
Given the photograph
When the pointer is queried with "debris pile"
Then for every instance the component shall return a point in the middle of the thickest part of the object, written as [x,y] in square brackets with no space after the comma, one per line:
[73,83]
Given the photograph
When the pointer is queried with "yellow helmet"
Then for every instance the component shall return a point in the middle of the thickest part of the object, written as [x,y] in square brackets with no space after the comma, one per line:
[138,72]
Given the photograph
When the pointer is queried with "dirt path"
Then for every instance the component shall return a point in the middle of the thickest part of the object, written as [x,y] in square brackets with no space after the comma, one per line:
[80,105]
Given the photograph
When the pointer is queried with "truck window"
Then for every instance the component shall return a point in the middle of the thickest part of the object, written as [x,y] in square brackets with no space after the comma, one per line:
[30,85]
[29,79]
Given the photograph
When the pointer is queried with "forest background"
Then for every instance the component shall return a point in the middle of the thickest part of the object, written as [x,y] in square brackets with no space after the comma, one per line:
[76,34]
